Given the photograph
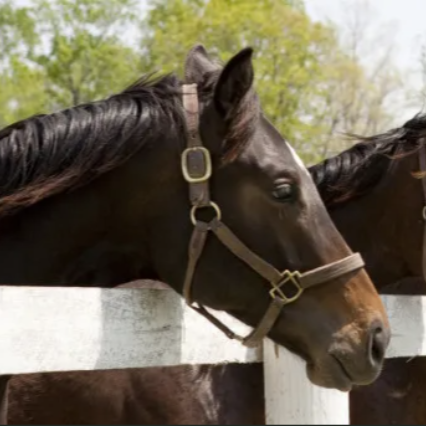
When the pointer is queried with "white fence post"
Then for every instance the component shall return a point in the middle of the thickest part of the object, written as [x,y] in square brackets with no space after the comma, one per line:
[290,398]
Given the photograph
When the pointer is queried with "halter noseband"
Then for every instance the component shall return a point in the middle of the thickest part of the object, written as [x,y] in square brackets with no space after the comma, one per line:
[197,170]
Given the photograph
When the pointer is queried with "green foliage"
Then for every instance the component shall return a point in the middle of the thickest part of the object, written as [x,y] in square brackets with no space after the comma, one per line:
[309,83]
[85,58]
[290,49]
[21,86]
[57,53]
[63,52]
[17,31]
[22,92]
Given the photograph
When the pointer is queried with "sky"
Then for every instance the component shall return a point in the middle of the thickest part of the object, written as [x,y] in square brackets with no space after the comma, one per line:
[405,17]
[406,24]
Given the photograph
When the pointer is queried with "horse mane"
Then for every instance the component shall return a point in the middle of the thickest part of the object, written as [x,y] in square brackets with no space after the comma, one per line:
[46,155]
[356,171]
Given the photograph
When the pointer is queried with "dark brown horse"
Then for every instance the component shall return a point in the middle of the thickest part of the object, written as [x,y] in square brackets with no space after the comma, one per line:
[377,204]
[109,173]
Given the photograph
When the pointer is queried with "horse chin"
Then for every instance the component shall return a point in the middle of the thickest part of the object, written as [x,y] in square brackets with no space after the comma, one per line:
[329,374]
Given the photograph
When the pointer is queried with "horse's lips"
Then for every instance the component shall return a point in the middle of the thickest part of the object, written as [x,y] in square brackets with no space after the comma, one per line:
[336,376]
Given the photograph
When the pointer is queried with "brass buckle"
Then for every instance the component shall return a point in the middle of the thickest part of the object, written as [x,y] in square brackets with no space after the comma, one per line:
[207,164]
[293,278]
[211,205]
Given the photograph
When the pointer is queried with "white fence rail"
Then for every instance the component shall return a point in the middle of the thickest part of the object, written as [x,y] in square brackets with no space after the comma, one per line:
[66,329]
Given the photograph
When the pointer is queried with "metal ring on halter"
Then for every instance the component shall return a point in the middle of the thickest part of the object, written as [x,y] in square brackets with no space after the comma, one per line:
[211,204]
[424,213]
[278,288]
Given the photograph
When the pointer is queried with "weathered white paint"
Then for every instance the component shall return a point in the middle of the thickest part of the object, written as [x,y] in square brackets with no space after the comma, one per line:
[60,329]
[290,398]
[65,329]
[407,316]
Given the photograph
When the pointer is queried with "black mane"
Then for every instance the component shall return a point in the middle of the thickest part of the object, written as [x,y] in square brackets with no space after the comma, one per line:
[48,154]
[357,170]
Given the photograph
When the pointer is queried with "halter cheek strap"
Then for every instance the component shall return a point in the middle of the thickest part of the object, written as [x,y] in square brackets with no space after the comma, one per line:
[197,170]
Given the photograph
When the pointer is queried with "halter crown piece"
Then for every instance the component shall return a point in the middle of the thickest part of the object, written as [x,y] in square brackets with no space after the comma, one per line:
[197,169]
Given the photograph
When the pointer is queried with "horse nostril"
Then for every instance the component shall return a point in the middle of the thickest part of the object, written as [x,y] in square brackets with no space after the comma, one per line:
[377,346]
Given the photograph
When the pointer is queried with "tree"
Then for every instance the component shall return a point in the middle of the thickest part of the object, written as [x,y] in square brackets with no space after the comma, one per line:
[59,53]
[362,82]
[311,77]
[315,79]
[288,47]
[85,58]
[22,90]
[17,31]
[416,97]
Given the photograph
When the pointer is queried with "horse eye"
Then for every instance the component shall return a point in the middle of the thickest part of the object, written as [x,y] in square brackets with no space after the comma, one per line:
[284,192]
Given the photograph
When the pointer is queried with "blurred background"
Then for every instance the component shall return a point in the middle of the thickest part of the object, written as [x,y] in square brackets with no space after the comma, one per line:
[323,67]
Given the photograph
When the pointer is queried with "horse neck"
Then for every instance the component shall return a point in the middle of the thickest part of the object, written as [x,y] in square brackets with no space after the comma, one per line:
[38,243]
[46,244]
[384,225]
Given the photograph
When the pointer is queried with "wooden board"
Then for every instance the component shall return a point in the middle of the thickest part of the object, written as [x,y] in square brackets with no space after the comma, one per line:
[407,316]
[66,329]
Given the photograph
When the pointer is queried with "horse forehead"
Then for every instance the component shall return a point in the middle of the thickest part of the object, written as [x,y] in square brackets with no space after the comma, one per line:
[277,155]
[276,145]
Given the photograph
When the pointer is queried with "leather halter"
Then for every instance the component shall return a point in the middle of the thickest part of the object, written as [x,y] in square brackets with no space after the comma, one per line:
[197,170]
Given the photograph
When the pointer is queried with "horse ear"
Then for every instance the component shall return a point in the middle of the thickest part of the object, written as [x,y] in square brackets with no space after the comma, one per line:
[235,81]
[198,65]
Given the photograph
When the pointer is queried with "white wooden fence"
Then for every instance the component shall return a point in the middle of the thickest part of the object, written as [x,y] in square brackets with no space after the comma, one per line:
[65,329]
